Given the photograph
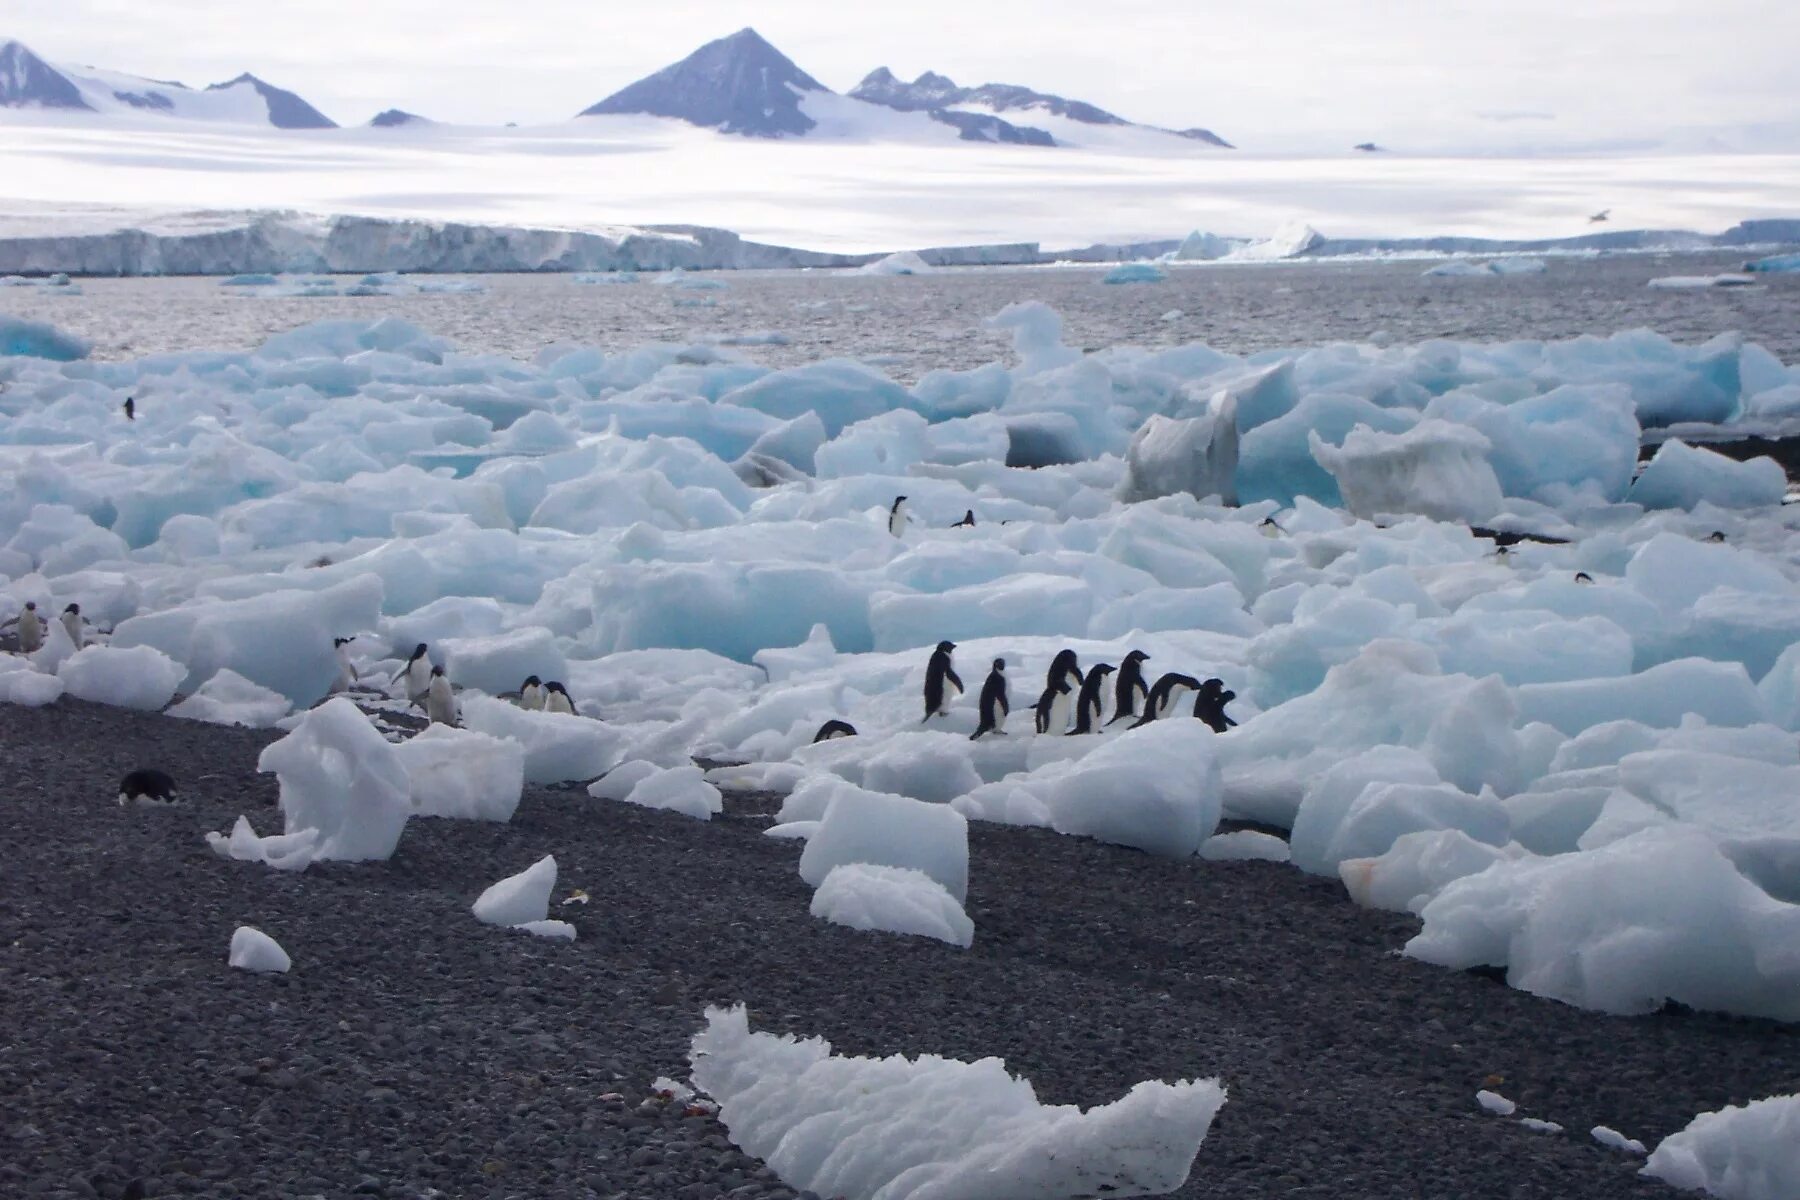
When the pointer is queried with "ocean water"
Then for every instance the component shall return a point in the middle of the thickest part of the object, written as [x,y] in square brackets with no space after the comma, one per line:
[909,325]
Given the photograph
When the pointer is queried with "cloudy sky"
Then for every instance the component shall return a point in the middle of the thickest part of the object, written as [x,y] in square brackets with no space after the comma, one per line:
[1281,74]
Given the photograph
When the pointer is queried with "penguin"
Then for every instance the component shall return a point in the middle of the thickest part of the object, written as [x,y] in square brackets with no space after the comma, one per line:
[1270,529]
[1583,577]
[1209,705]
[440,699]
[131,408]
[1092,701]
[968,520]
[1169,691]
[940,677]
[1717,535]
[1052,708]
[556,699]
[832,729]
[1503,553]
[31,628]
[897,516]
[531,693]
[73,623]
[1063,669]
[417,672]
[994,705]
[147,785]
[346,676]
[1130,686]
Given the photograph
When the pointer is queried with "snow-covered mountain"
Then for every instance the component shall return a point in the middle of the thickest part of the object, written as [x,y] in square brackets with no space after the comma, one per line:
[934,93]
[27,81]
[737,84]
[394,118]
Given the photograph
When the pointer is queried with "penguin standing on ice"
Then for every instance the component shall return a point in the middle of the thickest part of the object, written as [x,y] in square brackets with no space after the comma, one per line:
[1130,686]
[968,521]
[1052,708]
[897,516]
[346,672]
[417,673]
[1209,705]
[940,677]
[834,729]
[31,628]
[1269,529]
[131,408]
[1092,701]
[440,699]
[994,705]
[556,699]
[531,693]
[75,625]
[147,785]
[1169,691]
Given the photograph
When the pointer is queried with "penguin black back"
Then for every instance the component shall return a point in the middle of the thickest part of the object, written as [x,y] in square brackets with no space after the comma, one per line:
[1129,686]
[1092,701]
[967,521]
[147,785]
[1162,696]
[940,677]
[834,728]
[1209,705]
[131,408]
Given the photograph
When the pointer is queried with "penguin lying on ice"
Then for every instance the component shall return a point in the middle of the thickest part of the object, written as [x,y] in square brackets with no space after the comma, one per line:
[834,728]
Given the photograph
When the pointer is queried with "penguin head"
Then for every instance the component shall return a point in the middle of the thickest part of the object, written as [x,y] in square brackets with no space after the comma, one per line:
[1064,658]
[999,664]
[554,686]
[1717,535]
[533,681]
[898,501]
[945,647]
[418,652]
[437,672]
[1213,687]
[1137,656]
[31,606]
[75,609]
[1100,670]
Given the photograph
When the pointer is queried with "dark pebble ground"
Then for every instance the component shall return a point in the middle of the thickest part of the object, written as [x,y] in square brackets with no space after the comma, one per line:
[415,1052]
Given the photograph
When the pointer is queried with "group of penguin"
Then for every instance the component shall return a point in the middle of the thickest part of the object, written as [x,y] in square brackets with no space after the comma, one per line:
[32,626]
[429,688]
[1068,691]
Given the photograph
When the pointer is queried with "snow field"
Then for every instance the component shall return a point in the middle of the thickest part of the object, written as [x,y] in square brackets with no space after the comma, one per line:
[698,548]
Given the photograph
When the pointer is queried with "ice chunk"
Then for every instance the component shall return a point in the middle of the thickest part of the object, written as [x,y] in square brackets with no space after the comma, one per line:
[140,677]
[1495,1103]
[34,339]
[1682,476]
[1244,845]
[1193,455]
[558,746]
[1436,468]
[1612,1139]
[839,391]
[1155,788]
[1416,867]
[1660,915]
[1384,812]
[1740,1152]
[678,789]
[892,831]
[454,772]
[904,262]
[519,899]
[500,662]
[617,783]
[284,852]
[1037,336]
[892,899]
[892,1128]
[342,779]
[29,689]
[230,699]
[1137,272]
[1660,697]
[254,950]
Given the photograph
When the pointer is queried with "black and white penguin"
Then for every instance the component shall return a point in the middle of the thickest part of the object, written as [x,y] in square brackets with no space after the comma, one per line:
[940,677]
[346,671]
[834,729]
[968,520]
[1270,529]
[995,707]
[1583,577]
[897,516]
[1052,708]
[131,408]
[531,693]
[1092,701]
[1064,669]
[31,628]
[440,699]
[147,785]
[556,699]
[1130,687]
[75,625]
[1717,535]
[1209,705]
[1170,691]
[417,673]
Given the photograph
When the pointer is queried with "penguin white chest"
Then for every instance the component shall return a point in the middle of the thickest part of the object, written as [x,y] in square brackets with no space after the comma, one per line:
[71,623]
[897,519]
[440,702]
[418,678]
[532,697]
[1058,720]
[31,631]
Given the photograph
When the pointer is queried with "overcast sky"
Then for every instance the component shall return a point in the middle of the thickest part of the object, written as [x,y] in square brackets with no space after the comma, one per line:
[1277,74]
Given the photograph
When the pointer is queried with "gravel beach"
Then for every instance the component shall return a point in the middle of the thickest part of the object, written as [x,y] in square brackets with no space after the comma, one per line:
[415,1052]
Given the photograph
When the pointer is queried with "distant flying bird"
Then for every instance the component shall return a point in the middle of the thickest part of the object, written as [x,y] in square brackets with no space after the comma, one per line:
[1599,216]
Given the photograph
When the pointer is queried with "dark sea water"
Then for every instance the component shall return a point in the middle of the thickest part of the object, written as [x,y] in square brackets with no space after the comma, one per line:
[909,325]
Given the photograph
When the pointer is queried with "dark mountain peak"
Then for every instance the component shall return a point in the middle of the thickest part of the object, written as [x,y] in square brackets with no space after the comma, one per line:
[27,81]
[286,110]
[394,117]
[881,86]
[737,84]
